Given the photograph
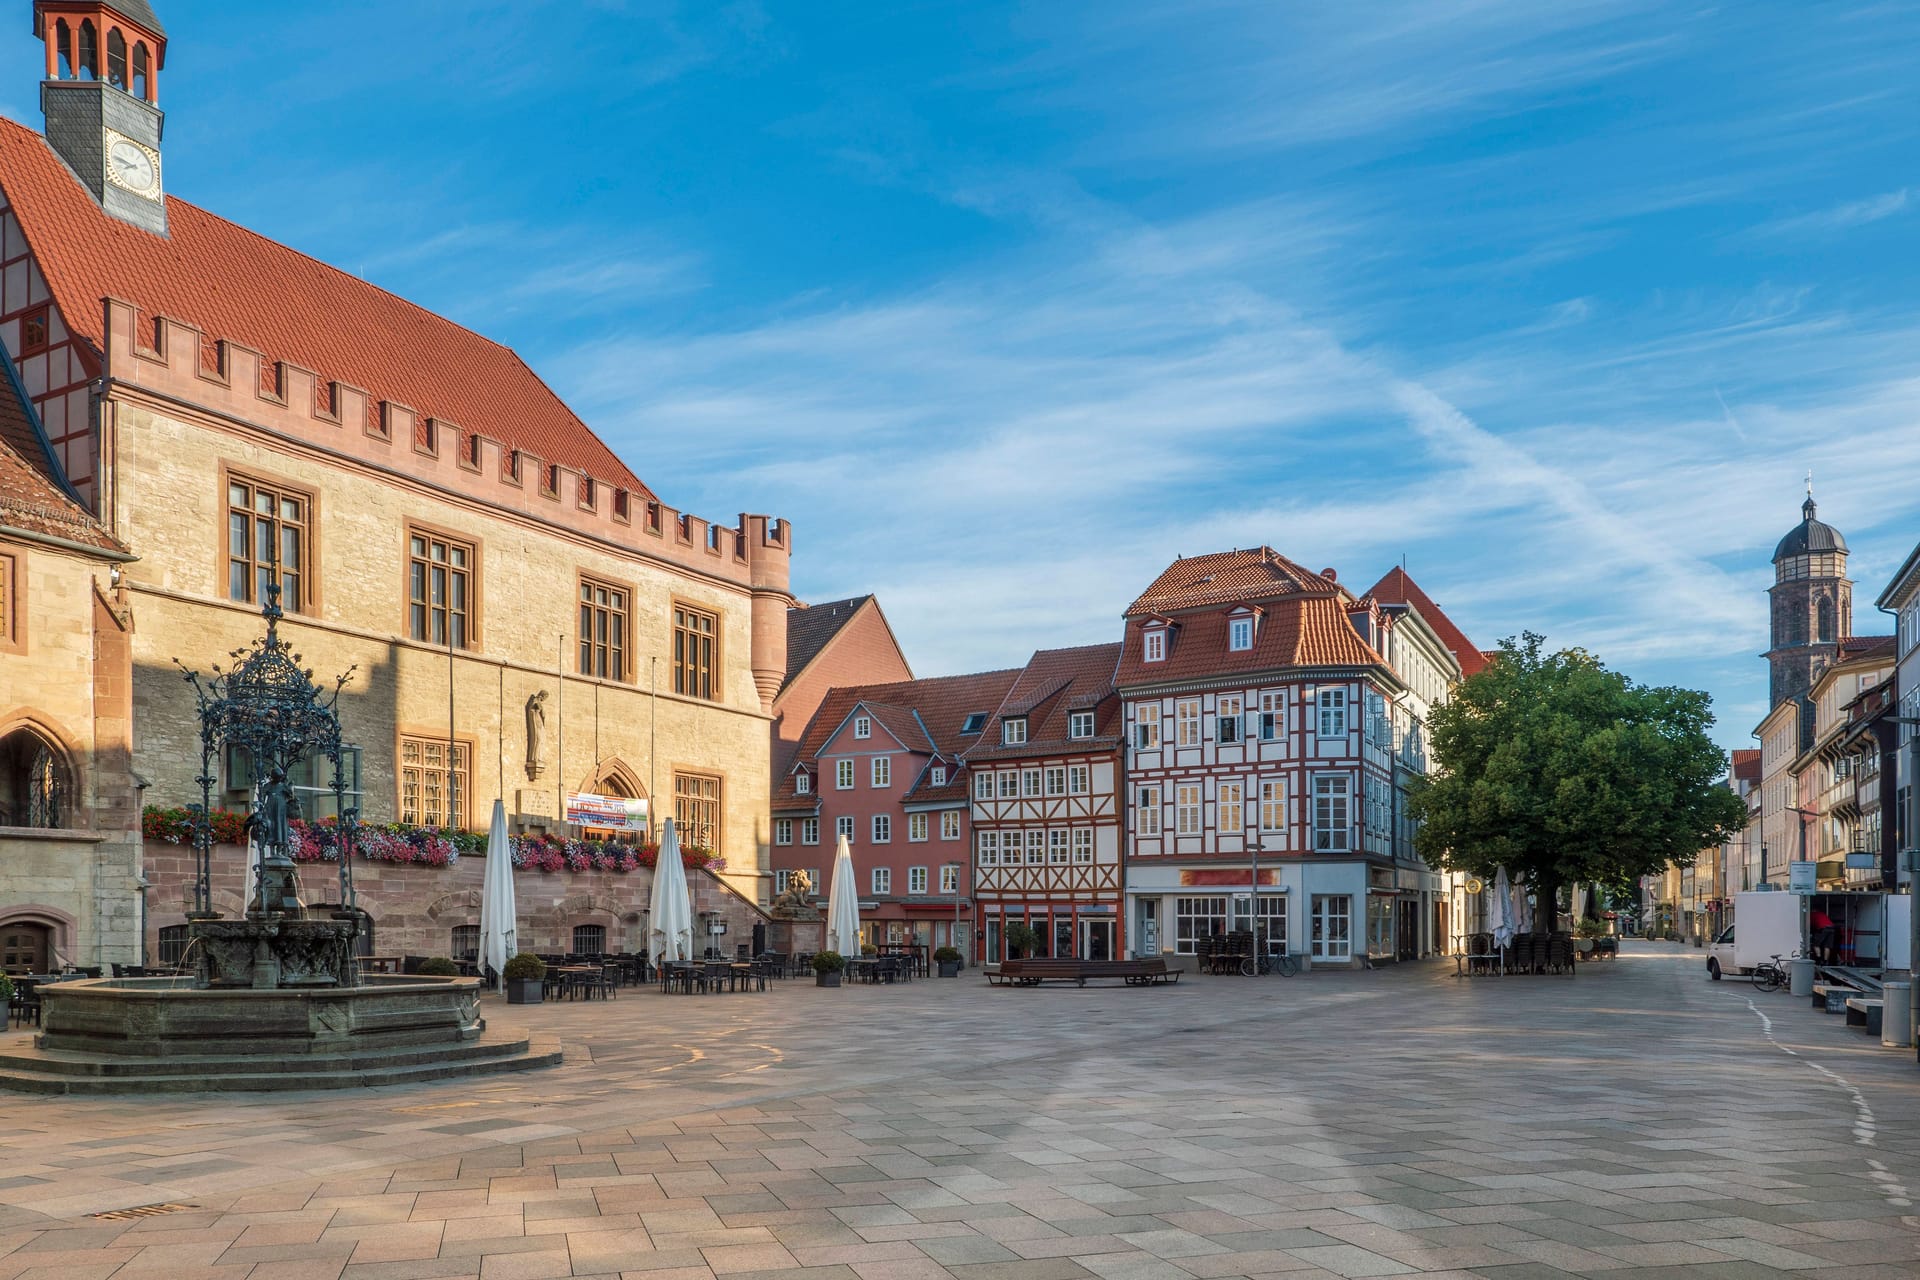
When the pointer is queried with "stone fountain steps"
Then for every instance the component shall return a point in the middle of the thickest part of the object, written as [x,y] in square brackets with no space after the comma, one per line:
[29,1069]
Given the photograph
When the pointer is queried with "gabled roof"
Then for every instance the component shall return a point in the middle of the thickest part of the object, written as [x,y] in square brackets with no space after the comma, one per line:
[1398,587]
[243,288]
[1054,684]
[938,706]
[1303,631]
[31,504]
[1746,763]
[812,628]
[1229,577]
[903,723]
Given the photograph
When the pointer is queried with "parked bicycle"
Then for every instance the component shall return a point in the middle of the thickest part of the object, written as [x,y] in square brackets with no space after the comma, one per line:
[1283,964]
[1771,975]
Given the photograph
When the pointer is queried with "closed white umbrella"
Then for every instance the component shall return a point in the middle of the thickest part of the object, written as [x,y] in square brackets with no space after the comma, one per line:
[843,905]
[670,920]
[499,915]
[1522,909]
[1500,911]
[1579,903]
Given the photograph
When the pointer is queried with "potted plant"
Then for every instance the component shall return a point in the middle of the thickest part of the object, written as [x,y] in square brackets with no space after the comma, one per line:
[526,977]
[1586,932]
[826,968]
[1021,938]
[438,967]
[948,958]
[869,949]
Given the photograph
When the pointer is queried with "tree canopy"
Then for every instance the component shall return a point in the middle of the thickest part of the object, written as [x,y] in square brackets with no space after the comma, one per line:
[1563,771]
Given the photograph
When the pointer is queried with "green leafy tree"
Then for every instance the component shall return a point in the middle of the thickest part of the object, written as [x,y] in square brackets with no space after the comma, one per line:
[1564,772]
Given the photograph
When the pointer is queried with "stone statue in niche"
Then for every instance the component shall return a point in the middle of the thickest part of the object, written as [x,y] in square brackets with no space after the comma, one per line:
[536,735]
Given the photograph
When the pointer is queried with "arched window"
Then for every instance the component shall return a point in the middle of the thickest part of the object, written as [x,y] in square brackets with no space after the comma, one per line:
[1824,611]
[63,45]
[140,80]
[88,67]
[116,59]
[35,783]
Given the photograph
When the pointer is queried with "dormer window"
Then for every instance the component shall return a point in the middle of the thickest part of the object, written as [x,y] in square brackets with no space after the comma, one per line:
[1080,724]
[802,783]
[862,727]
[1155,646]
[1013,730]
[1240,634]
[937,776]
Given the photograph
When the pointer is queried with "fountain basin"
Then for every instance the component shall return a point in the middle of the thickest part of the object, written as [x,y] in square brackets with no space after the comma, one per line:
[129,1035]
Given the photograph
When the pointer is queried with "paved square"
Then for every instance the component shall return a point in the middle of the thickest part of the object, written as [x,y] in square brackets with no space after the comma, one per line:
[1635,1121]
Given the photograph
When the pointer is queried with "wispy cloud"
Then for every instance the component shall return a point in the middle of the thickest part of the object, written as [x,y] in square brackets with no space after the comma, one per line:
[1840,217]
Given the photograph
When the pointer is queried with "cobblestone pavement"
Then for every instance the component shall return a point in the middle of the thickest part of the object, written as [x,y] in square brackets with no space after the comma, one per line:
[1635,1121]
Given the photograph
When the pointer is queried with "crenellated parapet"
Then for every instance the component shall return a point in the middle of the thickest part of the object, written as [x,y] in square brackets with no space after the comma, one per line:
[176,362]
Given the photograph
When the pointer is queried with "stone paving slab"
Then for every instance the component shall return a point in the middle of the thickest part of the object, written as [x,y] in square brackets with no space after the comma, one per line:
[1635,1121]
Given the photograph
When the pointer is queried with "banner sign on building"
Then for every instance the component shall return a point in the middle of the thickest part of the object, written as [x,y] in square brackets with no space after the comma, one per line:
[607,813]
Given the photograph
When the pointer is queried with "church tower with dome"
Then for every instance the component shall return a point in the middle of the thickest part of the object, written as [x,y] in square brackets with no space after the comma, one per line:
[1812,605]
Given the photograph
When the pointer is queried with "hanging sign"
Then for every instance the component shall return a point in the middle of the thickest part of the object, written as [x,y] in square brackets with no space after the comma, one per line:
[607,813]
[1800,877]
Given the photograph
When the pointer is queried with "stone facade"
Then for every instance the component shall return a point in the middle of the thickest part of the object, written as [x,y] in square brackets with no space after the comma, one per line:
[415,908]
[172,468]
[67,684]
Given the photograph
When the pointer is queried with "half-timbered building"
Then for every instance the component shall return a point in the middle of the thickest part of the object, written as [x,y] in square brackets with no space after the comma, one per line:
[881,765]
[1046,779]
[1271,722]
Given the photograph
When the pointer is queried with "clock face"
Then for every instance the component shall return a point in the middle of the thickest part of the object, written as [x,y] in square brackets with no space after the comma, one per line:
[130,166]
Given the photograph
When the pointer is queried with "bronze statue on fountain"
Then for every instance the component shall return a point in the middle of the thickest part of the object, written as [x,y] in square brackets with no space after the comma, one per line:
[269,707]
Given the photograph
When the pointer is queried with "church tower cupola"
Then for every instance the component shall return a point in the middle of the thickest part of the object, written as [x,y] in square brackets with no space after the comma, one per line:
[101,101]
[1812,606]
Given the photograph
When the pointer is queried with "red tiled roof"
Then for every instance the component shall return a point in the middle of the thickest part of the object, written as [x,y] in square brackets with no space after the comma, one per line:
[1746,763]
[1305,631]
[1054,683]
[1398,587]
[1854,648]
[31,503]
[244,288]
[1228,577]
[940,705]
[810,628]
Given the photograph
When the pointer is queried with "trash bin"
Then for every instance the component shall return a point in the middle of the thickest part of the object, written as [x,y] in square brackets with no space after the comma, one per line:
[1800,976]
[1896,1014]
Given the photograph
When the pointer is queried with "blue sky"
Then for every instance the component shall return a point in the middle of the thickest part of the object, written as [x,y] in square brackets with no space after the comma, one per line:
[1005,305]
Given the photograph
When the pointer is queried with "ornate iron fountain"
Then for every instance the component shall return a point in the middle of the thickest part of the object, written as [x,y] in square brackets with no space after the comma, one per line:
[268,705]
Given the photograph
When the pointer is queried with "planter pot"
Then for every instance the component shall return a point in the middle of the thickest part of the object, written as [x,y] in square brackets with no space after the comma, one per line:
[524,990]
[1583,945]
[827,979]
[949,968]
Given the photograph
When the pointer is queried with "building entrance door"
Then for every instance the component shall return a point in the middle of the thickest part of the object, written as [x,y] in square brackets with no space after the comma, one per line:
[1096,939]
[1409,939]
[25,948]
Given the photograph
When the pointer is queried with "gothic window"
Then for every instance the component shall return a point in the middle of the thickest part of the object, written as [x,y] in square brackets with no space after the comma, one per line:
[141,71]
[63,45]
[35,786]
[1824,620]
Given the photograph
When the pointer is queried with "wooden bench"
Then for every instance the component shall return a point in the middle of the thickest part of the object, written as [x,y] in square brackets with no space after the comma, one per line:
[1031,973]
[1865,1014]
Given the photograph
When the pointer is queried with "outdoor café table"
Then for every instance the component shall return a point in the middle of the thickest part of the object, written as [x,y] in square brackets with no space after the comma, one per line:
[677,973]
[380,964]
[864,968]
[744,973]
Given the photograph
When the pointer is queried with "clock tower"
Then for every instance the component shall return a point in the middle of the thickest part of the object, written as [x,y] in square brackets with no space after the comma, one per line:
[101,100]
